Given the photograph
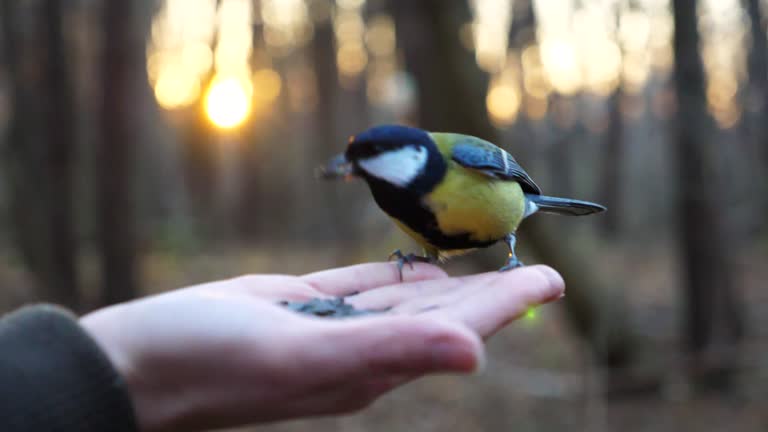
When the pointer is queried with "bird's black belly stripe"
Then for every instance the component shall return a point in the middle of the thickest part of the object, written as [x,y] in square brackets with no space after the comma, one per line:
[406,206]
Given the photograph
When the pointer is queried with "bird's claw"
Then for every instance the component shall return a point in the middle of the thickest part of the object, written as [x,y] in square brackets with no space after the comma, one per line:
[512,263]
[409,259]
[401,259]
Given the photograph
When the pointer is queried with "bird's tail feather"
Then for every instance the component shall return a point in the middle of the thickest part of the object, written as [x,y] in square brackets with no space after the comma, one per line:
[563,206]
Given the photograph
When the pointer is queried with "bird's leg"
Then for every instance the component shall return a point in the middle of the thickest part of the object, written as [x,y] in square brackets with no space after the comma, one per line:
[512,261]
[409,259]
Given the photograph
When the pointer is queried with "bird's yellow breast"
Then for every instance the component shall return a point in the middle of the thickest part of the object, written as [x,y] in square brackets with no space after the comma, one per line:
[469,202]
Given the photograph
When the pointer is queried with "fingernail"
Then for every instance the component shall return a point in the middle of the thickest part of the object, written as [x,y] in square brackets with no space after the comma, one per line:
[556,282]
[455,356]
[552,276]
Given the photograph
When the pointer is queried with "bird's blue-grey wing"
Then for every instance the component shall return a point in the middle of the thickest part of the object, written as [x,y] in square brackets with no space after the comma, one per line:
[492,161]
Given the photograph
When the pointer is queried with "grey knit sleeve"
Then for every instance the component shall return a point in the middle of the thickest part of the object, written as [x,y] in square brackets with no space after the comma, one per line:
[54,377]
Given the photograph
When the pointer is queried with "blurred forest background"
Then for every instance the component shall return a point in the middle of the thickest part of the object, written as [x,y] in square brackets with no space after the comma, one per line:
[148,145]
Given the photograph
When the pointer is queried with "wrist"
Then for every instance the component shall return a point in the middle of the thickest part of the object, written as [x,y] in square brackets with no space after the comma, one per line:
[103,329]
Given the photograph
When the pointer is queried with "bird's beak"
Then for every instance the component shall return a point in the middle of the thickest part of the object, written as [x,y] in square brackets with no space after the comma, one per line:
[337,167]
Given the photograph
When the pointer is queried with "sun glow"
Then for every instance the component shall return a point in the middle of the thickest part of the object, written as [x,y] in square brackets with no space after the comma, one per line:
[228,101]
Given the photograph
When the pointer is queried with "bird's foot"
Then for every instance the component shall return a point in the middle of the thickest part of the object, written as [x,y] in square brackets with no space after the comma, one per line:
[512,263]
[409,259]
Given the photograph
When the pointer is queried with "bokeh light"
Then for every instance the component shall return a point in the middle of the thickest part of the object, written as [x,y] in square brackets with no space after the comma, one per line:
[578,48]
[503,99]
[228,101]
[503,103]
[561,64]
[490,28]
[350,31]
[267,85]
[380,36]
[723,49]
[287,25]
[176,90]
[351,59]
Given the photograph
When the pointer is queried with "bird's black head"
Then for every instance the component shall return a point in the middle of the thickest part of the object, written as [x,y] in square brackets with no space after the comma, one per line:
[396,156]
[386,138]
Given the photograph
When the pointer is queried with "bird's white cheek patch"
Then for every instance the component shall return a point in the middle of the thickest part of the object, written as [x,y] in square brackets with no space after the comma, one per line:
[398,167]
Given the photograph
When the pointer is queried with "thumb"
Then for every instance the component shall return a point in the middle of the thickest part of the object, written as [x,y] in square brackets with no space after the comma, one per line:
[404,346]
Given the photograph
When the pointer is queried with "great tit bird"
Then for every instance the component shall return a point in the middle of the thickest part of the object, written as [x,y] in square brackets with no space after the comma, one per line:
[451,193]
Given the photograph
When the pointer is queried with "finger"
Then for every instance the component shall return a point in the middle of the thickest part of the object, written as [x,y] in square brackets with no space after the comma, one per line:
[495,299]
[454,291]
[363,277]
[421,296]
[394,346]
[267,287]
[410,294]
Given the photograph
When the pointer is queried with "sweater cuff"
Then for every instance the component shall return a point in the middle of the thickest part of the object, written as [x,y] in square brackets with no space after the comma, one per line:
[54,377]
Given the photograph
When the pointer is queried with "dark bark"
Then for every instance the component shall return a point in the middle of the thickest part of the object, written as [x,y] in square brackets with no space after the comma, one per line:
[329,140]
[757,91]
[200,157]
[522,30]
[249,201]
[445,72]
[61,121]
[613,165]
[23,146]
[341,111]
[323,57]
[755,98]
[522,34]
[712,308]
[39,153]
[567,135]
[123,62]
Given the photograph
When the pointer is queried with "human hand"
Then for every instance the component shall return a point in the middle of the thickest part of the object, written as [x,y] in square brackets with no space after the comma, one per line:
[225,354]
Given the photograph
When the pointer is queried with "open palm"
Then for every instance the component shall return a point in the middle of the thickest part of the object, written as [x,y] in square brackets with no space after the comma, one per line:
[225,353]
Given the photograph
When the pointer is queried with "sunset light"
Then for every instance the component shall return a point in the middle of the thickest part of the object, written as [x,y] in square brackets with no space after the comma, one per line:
[576,49]
[228,102]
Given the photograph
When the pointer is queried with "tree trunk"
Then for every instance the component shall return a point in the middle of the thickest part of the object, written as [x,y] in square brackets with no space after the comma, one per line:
[757,93]
[123,61]
[39,153]
[756,101]
[612,166]
[522,30]
[559,151]
[201,156]
[61,122]
[430,41]
[329,140]
[713,312]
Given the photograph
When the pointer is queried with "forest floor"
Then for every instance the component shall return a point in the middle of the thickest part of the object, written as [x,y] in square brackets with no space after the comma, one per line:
[539,376]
